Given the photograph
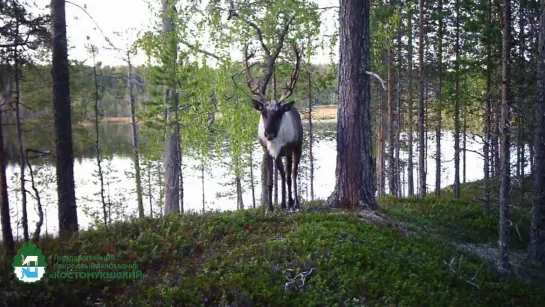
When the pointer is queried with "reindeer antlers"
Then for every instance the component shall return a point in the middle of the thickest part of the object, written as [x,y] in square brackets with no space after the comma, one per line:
[249,78]
[260,89]
[288,90]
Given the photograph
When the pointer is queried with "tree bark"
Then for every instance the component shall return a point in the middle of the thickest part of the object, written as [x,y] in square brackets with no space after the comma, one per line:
[537,241]
[68,215]
[354,184]
[505,187]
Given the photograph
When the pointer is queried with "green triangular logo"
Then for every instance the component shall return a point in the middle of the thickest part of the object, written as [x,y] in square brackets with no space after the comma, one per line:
[29,263]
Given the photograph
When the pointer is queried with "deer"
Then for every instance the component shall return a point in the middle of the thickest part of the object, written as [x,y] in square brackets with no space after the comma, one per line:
[28,259]
[280,130]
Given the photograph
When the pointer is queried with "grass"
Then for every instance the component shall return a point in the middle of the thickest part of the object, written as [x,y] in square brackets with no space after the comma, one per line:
[398,257]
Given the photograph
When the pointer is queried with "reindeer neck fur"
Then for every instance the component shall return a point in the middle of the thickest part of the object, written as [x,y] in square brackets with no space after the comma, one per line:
[289,134]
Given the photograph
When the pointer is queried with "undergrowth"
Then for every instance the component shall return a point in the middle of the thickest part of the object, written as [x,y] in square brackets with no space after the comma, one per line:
[319,257]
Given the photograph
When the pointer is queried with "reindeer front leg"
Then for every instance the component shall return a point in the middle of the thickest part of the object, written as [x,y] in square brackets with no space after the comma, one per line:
[280,167]
[270,181]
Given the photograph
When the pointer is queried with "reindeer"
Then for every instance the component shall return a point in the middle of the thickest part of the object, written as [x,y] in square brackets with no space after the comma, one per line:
[28,259]
[280,130]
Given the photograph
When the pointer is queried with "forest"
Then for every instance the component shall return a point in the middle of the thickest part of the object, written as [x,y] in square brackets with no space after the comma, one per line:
[417,164]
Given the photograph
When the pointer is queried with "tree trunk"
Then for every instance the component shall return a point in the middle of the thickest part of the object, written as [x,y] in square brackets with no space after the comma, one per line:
[68,214]
[391,129]
[22,159]
[264,191]
[488,111]
[202,184]
[380,146]
[521,115]
[240,202]
[505,188]
[149,192]
[7,235]
[398,170]
[438,127]
[410,165]
[310,137]
[275,170]
[464,151]
[97,142]
[497,134]
[252,185]
[37,231]
[354,184]
[421,139]
[179,151]
[135,140]
[537,241]
[457,106]
[171,155]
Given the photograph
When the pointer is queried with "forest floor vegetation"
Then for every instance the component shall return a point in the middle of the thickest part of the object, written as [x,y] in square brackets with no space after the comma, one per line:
[411,252]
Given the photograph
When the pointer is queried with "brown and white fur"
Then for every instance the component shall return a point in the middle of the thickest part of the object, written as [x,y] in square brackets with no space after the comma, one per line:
[280,134]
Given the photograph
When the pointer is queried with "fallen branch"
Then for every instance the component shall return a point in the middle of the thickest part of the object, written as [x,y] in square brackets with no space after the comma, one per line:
[291,281]
[38,153]
[453,272]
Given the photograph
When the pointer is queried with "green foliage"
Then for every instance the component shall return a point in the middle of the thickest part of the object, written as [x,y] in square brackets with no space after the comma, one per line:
[463,220]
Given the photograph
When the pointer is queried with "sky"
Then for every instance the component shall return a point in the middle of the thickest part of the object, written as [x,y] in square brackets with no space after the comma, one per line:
[129,17]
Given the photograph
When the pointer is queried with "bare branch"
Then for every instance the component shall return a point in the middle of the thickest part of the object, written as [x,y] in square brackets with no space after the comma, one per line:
[378,77]
[207,53]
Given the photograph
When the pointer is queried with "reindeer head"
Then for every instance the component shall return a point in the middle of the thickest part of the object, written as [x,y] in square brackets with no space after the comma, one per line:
[271,111]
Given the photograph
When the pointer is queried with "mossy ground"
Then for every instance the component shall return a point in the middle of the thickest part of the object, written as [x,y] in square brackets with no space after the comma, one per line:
[248,259]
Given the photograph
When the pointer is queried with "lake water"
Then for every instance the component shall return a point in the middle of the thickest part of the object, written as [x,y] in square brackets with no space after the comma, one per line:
[120,183]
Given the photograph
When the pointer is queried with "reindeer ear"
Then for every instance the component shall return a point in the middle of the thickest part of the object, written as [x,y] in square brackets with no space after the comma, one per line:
[288,105]
[258,105]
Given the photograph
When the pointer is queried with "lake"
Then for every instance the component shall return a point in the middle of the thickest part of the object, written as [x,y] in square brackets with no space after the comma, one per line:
[218,184]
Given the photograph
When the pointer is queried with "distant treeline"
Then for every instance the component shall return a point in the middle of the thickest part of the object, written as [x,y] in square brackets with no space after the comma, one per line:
[36,93]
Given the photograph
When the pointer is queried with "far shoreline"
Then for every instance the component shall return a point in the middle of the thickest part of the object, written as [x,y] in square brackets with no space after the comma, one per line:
[319,113]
